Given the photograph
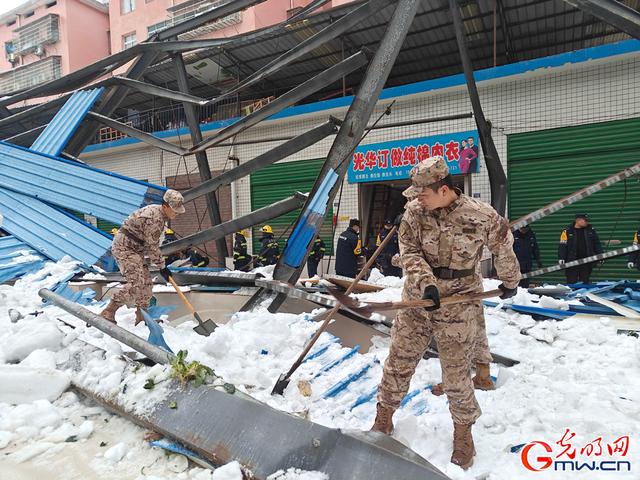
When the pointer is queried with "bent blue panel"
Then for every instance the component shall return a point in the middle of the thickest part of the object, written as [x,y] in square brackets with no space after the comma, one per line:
[72,185]
[17,259]
[309,223]
[52,232]
[11,247]
[55,137]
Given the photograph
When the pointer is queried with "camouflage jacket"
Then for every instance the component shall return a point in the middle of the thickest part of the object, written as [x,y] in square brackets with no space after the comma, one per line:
[454,237]
[146,224]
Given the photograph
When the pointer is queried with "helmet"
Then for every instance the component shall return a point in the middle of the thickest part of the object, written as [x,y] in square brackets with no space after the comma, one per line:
[243,232]
[168,231]
[114,230]
[267,229]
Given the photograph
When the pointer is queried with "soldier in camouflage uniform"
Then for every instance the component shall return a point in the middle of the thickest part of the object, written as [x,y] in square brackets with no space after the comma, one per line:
[442,235]
[140,233]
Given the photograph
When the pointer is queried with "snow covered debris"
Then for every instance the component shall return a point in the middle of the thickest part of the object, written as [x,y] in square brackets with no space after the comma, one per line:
[21,384]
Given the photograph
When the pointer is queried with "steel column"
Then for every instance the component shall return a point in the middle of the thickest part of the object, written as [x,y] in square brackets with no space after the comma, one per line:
[201,156]
[497,177]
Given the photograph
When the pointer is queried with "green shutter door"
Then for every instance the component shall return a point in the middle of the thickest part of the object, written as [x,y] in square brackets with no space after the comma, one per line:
[547,165]
[280,181]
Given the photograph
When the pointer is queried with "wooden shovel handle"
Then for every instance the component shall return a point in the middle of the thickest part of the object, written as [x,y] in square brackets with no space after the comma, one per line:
[453,299]
[182,297]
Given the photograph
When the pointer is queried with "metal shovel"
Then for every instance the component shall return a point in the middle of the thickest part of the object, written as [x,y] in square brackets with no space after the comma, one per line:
[204,328]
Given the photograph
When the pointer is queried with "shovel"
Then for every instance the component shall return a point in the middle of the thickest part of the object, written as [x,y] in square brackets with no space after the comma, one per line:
[284,378]
[367,309]
[204,328]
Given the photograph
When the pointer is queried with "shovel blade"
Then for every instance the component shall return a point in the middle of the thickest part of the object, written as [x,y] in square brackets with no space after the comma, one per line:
[205,328]
[281,385]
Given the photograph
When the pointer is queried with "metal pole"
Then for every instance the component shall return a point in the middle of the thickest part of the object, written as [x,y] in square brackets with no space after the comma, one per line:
[497,177]
[227,228]
[156,354]
[624,18]
[275,154]
[201,156]
[355,122]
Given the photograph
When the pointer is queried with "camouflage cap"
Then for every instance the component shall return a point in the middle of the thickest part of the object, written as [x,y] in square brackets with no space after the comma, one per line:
[428,171]
[175,200]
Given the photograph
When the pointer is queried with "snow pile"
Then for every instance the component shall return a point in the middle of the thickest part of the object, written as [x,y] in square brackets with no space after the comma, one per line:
[576,374]
[24,384]
[378,278]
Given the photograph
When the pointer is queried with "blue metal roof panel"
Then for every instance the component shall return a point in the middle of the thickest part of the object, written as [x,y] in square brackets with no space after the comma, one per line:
[17,259]
[72,185]
[54,138]
[52,232]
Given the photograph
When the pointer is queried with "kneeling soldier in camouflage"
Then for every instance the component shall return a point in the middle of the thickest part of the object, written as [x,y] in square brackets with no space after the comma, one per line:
[442,235]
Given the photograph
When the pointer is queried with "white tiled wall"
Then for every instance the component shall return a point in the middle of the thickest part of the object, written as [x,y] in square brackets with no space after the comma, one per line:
[578,94]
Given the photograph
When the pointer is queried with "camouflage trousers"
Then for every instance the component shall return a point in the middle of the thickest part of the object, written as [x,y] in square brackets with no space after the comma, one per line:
[139,288]
[461,338]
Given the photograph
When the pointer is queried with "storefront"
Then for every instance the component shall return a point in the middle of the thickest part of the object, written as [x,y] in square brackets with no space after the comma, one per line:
[381,172]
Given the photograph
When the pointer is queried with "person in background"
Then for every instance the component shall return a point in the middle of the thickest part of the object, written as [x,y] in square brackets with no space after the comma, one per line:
[391,249]
[577,241]
[113,231]
[196,258]
[348,249]
[634,257]
[270,249]
[315,256]
[139,234]
[525,246]
[170,236]
[241,258]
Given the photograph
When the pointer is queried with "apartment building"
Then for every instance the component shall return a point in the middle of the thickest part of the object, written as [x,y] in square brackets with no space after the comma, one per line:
[46,39]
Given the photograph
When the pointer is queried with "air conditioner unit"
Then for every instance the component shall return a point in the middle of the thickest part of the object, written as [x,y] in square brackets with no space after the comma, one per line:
[40,51]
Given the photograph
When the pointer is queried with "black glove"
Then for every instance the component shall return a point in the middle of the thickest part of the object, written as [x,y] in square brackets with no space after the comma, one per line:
[166,273]
[431,293]
[507,292]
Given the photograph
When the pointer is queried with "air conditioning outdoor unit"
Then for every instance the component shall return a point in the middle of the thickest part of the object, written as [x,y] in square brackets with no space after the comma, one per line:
[40,51]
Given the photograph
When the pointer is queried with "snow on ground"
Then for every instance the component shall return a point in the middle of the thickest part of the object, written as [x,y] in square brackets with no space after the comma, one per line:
[577,374]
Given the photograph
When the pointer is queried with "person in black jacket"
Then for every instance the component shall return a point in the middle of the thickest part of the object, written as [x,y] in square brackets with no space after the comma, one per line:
[392,248]
[270,250]
[634,257]
[315,255]
[525,246]
[197,259]
[240,256]
[578,241]
[169,236]
[348,250]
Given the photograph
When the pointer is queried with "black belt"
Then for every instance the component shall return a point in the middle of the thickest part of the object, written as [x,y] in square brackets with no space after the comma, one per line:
[448,273]
[131,236]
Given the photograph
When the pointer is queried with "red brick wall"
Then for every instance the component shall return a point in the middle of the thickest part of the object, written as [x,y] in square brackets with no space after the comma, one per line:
[196,217]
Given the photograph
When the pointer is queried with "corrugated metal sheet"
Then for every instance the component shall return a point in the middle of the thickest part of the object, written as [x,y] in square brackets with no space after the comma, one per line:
[54,138]
[52,232]
[275,182]
[546,165]
[67,184]
[17,259]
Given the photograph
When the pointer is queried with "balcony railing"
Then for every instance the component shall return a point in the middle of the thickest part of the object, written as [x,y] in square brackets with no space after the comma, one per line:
[30,75]
[192,8]
[32,38]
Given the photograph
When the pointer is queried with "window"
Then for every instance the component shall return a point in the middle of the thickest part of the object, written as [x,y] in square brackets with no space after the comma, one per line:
[51,4]
[127,6]
[29,14]
[12,22]
[129,40]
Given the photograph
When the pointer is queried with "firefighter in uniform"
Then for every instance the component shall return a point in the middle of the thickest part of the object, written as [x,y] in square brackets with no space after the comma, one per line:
[577,241]
[315,255]
[442,235]
[270,250]
[240,255]
[634,257]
